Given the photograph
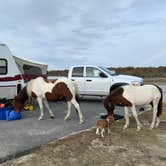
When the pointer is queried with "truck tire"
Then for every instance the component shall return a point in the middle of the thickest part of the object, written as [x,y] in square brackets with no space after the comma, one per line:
[116,85]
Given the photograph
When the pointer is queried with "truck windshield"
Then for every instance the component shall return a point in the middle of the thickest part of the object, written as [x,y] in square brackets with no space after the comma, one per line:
[108,71]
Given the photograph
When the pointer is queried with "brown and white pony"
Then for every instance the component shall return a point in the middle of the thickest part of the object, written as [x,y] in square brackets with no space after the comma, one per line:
[43,90]
[130,96]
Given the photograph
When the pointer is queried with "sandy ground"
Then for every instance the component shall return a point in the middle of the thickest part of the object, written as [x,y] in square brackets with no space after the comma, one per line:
[155,80]
[120,148]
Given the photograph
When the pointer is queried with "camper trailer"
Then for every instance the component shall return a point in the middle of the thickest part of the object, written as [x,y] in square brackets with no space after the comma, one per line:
[15,72]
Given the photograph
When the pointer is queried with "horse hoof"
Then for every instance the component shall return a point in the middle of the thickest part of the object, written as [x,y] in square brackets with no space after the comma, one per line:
[66,118]
[52,117]
[151,127]
[125,127]
[81,122]
[40,118]
[138,128]
[157,125]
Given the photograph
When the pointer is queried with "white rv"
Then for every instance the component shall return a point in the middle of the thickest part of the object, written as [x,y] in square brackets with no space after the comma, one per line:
[14,72]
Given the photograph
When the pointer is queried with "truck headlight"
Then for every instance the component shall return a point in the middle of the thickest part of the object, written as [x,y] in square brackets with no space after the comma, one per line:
[137,83]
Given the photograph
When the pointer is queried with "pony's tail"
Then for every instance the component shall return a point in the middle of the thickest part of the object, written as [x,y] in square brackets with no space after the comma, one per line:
[78,98]
[159,108]
[77,94]
[29,90]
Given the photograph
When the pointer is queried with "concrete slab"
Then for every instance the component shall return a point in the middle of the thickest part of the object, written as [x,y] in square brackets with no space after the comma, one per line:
[20,136]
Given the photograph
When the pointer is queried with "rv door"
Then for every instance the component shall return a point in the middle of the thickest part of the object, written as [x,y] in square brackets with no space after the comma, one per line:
[11,80]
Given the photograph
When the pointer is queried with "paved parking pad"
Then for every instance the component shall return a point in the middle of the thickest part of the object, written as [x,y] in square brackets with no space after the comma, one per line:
[20,136]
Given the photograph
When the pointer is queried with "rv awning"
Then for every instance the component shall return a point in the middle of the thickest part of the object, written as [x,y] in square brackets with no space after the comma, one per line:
[29,67]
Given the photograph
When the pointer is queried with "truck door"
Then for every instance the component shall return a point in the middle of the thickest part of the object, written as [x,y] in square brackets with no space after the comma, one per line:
[96,82]
[78,76]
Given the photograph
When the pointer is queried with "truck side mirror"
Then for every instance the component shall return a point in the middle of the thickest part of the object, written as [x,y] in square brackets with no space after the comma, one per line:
[103,75]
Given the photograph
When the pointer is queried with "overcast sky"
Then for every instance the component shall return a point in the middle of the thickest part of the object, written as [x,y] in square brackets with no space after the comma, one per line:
[62,33]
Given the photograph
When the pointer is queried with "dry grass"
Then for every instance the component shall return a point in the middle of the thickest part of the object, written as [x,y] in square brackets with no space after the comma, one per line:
[155,80]
[121,147]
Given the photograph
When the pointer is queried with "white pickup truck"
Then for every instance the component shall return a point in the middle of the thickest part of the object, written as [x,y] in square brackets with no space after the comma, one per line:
[96,80]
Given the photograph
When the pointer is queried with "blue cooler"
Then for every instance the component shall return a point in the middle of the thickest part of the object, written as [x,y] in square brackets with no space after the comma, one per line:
[3,112]
[9,114]
[13,115]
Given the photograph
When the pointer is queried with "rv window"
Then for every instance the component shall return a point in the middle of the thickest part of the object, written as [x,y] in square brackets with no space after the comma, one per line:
[3,66]
[32,70]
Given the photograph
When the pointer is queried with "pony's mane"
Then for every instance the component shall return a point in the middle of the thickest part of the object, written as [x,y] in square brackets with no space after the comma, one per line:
[22,96]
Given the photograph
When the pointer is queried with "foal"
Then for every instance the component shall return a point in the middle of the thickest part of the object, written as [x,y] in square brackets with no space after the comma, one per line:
[102,124]
[43,90]
[131,96]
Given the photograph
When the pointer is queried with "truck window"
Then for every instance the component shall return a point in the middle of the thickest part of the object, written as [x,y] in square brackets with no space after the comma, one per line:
[94,72]
[3,66]
[77,72]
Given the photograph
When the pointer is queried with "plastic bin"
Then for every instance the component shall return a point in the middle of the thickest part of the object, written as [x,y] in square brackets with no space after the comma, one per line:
[3,113]
[9,114]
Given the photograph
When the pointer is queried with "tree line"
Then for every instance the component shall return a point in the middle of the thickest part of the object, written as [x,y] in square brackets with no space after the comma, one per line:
[145,72]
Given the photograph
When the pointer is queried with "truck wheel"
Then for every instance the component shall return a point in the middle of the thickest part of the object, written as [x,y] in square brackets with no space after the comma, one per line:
[116,85]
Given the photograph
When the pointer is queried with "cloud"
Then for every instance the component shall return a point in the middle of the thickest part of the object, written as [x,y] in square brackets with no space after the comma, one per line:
[153,59]
[62,33]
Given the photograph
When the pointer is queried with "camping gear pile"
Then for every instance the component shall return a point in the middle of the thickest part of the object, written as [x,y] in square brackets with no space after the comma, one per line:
[7,112]
[28,107]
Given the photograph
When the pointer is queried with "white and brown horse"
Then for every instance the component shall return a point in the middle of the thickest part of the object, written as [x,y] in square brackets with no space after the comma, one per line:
[43,90]
[131,96]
